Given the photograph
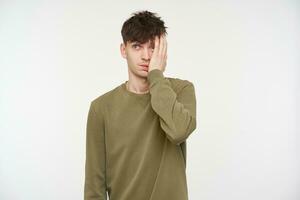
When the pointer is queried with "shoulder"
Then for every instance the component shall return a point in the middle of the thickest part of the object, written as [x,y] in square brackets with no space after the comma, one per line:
[102,100]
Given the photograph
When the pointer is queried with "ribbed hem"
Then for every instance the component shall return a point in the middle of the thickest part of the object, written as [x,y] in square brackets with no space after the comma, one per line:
[127,92]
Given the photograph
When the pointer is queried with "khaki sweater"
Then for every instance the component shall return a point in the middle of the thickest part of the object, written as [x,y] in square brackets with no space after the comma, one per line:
[136,143]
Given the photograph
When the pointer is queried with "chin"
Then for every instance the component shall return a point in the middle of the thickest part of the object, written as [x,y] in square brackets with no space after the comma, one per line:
[143,73]
[139,73]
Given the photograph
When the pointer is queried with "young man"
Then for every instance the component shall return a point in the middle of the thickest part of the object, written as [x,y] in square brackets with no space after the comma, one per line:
[136,133]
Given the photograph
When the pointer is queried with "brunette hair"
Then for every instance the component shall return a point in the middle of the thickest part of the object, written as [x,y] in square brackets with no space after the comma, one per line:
[142,26]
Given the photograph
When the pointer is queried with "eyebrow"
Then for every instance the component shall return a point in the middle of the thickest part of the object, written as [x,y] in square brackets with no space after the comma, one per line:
[135,43]
[152,44]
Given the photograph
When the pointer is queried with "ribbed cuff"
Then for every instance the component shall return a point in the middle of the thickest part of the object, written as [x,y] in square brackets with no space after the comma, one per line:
[154,76]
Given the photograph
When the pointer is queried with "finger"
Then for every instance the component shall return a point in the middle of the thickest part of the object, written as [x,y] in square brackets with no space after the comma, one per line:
[156,46]
[165,47]
[161,45]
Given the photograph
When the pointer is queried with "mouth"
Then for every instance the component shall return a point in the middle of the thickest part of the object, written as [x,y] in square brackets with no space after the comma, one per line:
[145,67]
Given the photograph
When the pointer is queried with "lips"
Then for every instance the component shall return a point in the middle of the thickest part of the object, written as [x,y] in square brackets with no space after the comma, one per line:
[145,67]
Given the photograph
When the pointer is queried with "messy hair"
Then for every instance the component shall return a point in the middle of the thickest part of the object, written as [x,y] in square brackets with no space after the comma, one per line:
[142,26]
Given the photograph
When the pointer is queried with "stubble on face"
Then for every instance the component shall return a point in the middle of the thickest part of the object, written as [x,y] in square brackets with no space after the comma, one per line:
[134,60]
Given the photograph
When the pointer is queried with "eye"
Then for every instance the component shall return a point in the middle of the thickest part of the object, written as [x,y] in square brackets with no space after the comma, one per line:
[135,46]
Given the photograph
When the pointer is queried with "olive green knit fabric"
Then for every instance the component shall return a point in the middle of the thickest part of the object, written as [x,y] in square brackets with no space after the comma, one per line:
[136,143]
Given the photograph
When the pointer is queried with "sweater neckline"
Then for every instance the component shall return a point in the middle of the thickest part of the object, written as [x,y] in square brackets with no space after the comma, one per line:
[123,87]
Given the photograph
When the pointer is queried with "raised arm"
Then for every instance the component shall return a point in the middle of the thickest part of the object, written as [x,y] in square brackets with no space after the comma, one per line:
[95,179]
[177,113]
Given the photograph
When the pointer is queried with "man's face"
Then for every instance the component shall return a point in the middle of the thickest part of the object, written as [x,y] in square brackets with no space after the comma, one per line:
[138,57]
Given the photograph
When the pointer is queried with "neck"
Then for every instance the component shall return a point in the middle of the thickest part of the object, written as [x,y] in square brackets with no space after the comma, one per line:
[137,85]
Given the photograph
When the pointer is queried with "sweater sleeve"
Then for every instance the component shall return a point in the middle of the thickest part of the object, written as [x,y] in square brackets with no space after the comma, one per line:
[177,113]
[95,179]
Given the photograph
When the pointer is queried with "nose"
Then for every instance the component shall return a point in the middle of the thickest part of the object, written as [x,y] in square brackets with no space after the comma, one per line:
[146,54]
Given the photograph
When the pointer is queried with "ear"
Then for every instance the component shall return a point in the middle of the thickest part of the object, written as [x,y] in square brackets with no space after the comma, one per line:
[123,50]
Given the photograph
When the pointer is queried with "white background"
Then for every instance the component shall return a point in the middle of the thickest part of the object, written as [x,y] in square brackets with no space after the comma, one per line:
[242,56]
